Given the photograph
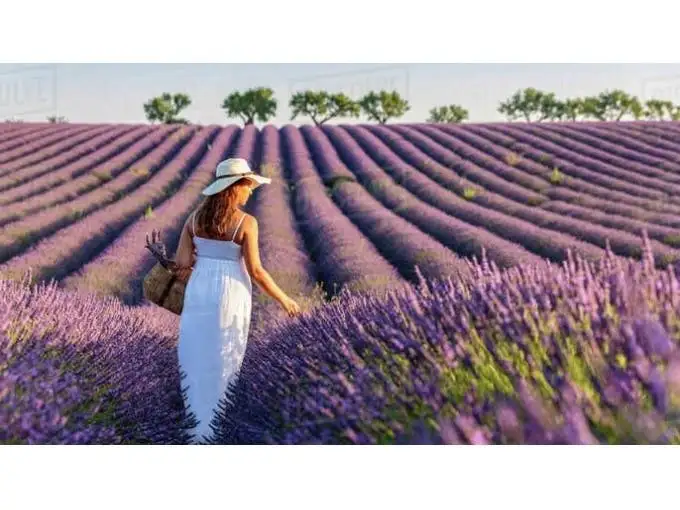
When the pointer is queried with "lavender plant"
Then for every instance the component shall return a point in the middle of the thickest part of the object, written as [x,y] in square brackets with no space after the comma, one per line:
[58,255]
[17,149]
[53,157]
[461,237]
[563,230]
[116,142]
[344,256]
[580,188]
[578,354]
[15,236]
[80,370]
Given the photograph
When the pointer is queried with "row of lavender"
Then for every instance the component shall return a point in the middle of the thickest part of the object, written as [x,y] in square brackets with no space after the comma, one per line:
[580,354]
[431,181]
[414,178]
[80,370]
[101,183]
[585,353]
[65,251]
[120,268]
[114,378]
[576,185]
[299,164]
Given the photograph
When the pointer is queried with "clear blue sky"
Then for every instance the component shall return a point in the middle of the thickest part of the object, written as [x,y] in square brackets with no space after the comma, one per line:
[116,92]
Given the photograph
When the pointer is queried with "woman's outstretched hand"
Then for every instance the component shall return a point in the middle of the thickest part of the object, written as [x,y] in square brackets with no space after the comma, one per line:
[291,307]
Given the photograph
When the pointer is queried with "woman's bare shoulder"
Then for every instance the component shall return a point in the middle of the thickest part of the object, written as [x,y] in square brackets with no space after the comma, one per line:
[191,219]
[249,221]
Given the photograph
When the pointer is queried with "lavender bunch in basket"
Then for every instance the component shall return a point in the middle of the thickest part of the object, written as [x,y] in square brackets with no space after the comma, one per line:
[159,251]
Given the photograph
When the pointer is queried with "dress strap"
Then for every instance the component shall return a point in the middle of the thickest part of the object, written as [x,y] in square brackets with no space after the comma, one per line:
[237,227]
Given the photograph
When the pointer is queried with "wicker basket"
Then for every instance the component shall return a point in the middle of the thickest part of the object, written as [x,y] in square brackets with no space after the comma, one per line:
[164,288]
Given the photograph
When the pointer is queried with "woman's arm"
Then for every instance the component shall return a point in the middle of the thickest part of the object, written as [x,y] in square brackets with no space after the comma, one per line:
[184,256]
[251,255]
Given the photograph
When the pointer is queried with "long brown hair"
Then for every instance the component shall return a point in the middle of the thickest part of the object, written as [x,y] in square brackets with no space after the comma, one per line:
[214,215]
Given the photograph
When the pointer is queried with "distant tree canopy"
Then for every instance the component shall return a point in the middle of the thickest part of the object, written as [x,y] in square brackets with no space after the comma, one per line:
[322,106]
[531,104]
[166,108]
[569,109]
[253,104]
[657,109]
[450,114]
[54,119]
[614,105]
[382,106]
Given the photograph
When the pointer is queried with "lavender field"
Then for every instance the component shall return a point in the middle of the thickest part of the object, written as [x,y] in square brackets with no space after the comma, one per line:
[563,329]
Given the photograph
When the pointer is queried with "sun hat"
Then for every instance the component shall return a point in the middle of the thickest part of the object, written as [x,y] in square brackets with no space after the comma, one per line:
[230,171]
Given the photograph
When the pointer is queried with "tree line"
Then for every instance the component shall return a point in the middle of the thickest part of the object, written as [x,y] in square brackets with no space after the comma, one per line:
[529,104]
[320,106]
[533,105]
[259,104]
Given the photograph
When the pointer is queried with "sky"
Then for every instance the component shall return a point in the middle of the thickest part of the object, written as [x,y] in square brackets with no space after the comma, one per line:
[116,92]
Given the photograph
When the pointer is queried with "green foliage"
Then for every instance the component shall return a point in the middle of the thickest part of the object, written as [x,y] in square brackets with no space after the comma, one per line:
[556,176]
[54,119]
[569,109]
[530,104]
[657,109]
[612,105]
[450,114]
[672,240]
[512,158]
[166,108]
[334,183]
[253,104]
[383,105]
[469,193]
[322,106]
[536,201]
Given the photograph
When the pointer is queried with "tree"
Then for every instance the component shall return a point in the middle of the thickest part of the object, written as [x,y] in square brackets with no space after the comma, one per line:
[253,104]
[612,105]
[54,119]
[383,105]
[531,104]
[569,109]
[657,109]
[321,106]
[450,114]
[166,107]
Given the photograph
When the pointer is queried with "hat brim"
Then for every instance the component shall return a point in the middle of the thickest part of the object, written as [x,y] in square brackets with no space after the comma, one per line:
[224,182]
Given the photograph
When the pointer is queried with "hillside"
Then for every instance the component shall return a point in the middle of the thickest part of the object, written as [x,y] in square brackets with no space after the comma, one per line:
[557,336]
[354,206]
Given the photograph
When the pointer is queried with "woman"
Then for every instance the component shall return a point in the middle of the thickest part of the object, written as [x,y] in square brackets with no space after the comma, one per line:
[217,302]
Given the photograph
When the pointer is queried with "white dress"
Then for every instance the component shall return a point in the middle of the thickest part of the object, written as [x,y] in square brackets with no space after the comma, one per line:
[214,325]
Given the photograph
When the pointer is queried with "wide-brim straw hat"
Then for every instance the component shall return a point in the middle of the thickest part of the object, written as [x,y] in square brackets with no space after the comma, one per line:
[230,171]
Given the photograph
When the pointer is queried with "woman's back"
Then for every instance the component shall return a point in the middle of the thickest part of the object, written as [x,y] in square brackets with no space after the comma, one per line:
[219,249]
